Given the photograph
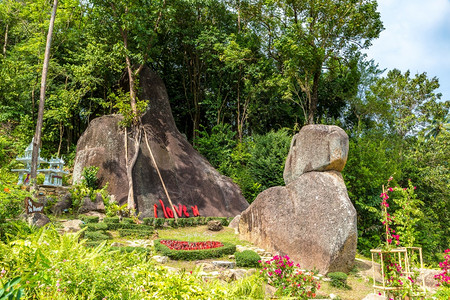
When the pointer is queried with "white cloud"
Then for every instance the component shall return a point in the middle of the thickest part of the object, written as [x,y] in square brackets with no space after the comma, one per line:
[416,38]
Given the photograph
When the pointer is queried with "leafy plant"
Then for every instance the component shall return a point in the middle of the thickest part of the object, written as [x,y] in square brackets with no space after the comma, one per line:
[444,277]
[289,280]
[338,279]
[89,177]
[8,291]
[247,258]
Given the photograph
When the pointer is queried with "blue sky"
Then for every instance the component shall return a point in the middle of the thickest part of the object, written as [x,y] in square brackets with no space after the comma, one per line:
[416,38]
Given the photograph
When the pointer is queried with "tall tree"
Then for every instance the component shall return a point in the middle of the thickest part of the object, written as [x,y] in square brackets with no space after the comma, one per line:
[315,36]
[37,135]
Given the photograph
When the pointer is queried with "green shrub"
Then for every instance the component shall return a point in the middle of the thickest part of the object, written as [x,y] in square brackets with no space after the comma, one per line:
[247,258]
[127,221]
[96,226]
[111,220]
[171,223]
[89,177]
[116,226]
[9,291]
[181,222]
[148,221]
[201,221]
[159,222]
[338,279]
[96,236]
[135,233]
[227,249]
[223,221]
[129,249]
[90,219]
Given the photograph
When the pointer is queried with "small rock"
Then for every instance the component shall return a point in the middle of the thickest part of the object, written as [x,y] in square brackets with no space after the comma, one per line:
[37,219]
[71,225]
[231,256]
[207,266]
[215,225]
[224,264]
[117,244]
[160,259]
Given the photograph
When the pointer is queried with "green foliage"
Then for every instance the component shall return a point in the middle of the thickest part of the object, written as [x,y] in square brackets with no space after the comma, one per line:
[96,236]
[247,259]
[148,221]
[123,105]
[159,222]
[96,226]
[89,177]
[194,254]
[338,279]
[113,220]
[127,221]
[90,219]
[52,266]
[8,291]
[116,226]
[137,233]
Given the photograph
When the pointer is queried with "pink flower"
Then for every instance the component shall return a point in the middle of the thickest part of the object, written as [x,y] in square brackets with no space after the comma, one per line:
[390,189]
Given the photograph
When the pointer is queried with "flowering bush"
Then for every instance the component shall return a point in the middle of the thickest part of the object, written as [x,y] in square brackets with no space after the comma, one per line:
[183,245]
[444,277]
[289,280]
[405,217]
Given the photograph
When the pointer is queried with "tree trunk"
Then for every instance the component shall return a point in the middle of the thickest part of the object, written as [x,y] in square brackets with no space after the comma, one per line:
[6,40]
[314,98]
[130,164]
[37,135]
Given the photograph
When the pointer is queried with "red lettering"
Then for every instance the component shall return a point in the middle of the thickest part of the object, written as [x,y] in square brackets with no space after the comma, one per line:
[155,210]
[195,211]
[169,212]
[164,209]
[178,210]
[185,211]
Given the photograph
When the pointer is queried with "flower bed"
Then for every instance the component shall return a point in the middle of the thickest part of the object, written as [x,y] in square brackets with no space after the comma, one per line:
[183,245]
[193,250]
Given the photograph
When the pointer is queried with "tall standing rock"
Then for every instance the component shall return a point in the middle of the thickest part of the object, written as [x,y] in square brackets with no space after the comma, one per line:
[189,178]
[311,219]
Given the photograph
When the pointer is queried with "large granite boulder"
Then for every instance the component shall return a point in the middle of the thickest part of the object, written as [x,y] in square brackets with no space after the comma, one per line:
[311,220]
[316,148]
[189,178]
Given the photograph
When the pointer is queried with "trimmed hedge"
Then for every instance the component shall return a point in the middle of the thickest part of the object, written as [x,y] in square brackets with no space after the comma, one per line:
[247,258]
[96,226]
[227,249]
[96,236]
[90,219]
[148,221]
[129,249]
[116,226]
[111,220]
[338,279]
[135,233]
[128,221]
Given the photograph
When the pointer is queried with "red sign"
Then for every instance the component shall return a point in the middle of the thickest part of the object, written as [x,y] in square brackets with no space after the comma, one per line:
[181,211]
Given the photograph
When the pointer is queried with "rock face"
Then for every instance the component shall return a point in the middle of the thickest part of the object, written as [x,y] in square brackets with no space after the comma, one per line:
[311,219]
[316,148]
[189,178]
[37,219]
